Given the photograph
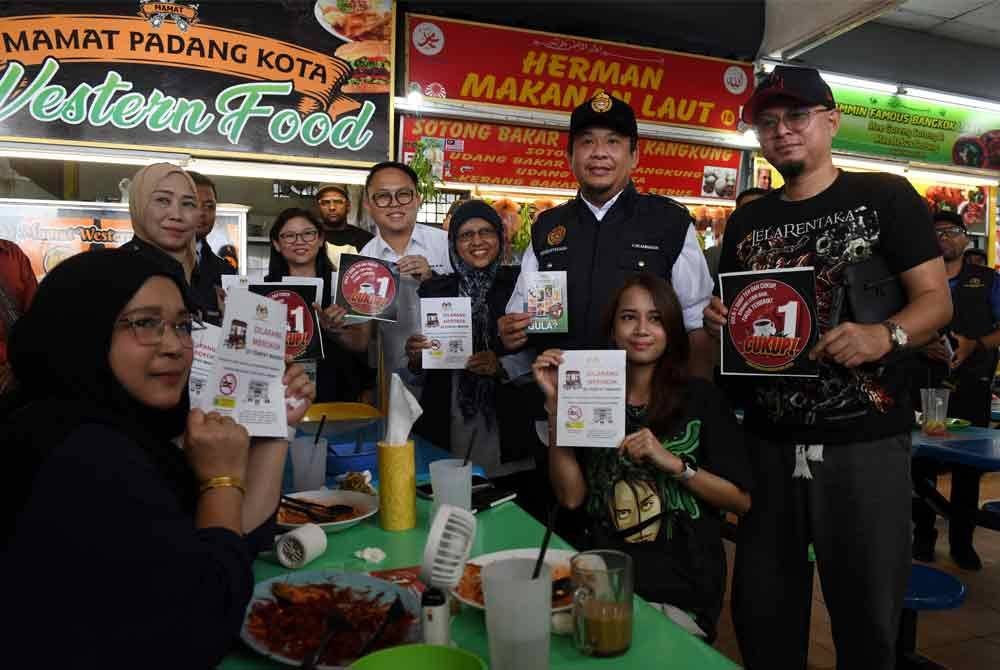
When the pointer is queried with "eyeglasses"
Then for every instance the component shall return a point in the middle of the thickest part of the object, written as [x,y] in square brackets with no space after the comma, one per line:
[485,234]
[953,231]
[384,198]
[305,236]
[330,202]
[149,330]
[796,120]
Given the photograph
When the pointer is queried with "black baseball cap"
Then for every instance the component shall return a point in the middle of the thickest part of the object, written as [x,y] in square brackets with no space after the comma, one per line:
[801,85]
[332,187]
[604,111]
[951,218]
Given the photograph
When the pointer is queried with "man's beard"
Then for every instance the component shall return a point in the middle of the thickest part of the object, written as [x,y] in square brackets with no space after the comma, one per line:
[791,169]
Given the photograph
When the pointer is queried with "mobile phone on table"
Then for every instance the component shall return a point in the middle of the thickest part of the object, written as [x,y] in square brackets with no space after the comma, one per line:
[479,483]
[489,498]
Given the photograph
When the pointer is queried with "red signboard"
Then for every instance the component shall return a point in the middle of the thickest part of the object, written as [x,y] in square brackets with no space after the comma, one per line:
[460,60]
[474,152]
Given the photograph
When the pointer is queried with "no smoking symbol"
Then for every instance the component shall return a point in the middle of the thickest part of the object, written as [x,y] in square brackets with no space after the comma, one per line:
[227,385]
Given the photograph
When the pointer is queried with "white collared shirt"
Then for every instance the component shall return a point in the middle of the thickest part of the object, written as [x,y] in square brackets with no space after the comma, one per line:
[431,243]
[689,276]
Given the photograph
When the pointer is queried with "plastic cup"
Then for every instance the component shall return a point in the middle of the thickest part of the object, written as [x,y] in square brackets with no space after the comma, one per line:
[934,408]
[518,614]
[452,483]
[308,463]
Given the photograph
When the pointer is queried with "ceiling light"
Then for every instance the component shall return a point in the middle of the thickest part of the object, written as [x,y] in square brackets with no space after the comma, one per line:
[857,82]
[109,156]
[869,164]
[282,171]
[961,100]
[958,178]
[415,98]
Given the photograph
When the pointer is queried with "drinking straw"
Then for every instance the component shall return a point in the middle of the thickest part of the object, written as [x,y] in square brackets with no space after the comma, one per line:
[545,540]
[319,431]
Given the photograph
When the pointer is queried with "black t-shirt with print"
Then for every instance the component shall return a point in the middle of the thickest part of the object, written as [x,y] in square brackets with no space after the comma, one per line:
[678,559]
[352,235]
[857,216]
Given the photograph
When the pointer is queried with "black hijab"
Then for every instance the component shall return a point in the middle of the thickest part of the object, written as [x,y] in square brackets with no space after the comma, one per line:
[476,393]
[59,354]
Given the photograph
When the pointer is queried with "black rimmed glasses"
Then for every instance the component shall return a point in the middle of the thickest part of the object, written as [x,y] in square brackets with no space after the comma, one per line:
[149,330]
[796,120]
[484,234]
[403,196]
[306,236]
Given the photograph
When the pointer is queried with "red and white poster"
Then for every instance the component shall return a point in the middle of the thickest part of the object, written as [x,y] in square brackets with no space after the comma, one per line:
[476,152]
[771,324]
[368,287]
[513,67]
[303,339]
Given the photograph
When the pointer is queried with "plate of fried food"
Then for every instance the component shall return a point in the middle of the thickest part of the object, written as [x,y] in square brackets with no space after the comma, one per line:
[332,510]
[470,588]
[288,616]
[356,20]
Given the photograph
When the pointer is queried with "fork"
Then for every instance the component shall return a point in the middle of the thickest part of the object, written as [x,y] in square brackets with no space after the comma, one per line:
[335,621]
[395,613]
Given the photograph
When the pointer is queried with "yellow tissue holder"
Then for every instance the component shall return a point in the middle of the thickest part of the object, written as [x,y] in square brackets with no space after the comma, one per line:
[397,486]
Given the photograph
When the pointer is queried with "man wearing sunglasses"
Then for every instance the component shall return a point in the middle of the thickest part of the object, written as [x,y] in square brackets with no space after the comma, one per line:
[831,459]
[965,363]
[420,251]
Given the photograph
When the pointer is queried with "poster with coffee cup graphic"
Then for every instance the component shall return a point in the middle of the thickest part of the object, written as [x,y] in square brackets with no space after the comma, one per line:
[303,340]
[367,288]
[771,324]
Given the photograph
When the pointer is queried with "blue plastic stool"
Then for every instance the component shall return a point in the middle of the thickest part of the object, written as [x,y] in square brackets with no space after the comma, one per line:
[929,589]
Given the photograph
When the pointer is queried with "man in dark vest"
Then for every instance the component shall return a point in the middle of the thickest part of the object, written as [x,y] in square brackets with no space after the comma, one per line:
[965,363]
[206,280]
[609,232]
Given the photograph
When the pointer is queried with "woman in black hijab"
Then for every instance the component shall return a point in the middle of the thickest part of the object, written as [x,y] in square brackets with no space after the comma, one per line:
[128,550]
[480,402]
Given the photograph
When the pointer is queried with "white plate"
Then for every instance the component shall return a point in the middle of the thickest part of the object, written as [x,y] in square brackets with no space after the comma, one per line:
[385,591]
[321,17]
[335,497]
[553,558]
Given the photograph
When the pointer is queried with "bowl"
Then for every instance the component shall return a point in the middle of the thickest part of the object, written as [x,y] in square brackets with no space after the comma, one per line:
[420,657]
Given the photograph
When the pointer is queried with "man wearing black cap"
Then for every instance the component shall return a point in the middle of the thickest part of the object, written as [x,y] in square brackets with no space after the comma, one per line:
[334,205]
[831,463]
[608,232]
[966,364]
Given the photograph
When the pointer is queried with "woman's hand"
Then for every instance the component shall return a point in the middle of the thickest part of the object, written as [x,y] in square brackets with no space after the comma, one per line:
[215,446]
[415,344]
[331,319]
[643,447]
[297,386]
[484,363]
[546,369]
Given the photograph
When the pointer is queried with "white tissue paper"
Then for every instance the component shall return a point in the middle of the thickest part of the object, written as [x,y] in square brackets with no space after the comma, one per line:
[404,410]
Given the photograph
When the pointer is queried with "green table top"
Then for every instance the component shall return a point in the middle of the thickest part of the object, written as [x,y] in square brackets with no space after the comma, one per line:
[655,639]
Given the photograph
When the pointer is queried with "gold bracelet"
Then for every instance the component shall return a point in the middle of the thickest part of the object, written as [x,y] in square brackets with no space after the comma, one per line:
[221,482]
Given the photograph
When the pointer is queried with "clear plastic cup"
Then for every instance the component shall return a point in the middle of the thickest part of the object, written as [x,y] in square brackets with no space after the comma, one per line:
[518,614]
[934,408]
[452,483]
[308,463]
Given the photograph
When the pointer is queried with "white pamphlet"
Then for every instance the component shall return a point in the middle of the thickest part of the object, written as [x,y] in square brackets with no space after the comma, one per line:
[315,281]
[591,411]
[230,282]
[447,323]
[206,342]
[249,363]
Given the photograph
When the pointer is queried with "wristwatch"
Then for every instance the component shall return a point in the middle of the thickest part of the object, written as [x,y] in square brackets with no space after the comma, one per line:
[689,470]
[897,336]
